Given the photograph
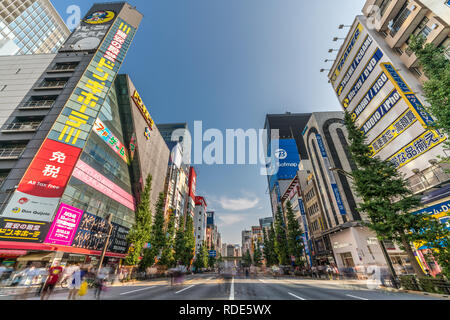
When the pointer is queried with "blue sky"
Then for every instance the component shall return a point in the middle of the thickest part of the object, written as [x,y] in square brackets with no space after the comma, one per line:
[228,63]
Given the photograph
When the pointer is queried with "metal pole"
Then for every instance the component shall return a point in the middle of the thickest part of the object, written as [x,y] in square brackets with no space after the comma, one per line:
[106,243]
[389,262]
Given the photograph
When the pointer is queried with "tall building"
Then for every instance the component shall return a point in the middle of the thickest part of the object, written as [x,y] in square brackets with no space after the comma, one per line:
[378,80]
[265,223]
[87,151]
[246,241]
[200,221]
[30,27]
[291,149]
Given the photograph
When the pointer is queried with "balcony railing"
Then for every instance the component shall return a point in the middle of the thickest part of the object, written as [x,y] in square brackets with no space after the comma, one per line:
[52,84]
[11,153]
[399,21]
[37,104]
[22,127]
[63,68]
[428,179]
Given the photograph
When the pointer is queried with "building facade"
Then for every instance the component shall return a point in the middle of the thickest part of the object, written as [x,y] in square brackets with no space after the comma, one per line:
[378,80]
[81,162]
[30,27]
[200,222]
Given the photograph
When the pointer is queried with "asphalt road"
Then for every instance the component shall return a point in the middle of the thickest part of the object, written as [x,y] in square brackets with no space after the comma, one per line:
[213,287]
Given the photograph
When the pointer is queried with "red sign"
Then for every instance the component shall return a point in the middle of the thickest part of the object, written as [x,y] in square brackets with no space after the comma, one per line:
[192,182]
[50,170]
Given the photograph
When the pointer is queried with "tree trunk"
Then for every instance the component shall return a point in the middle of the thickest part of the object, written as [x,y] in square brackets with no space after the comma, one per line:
[417,269]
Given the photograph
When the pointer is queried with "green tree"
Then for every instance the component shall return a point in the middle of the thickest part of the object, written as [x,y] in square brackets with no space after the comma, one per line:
[189,241]
[201,259]
[281,243]
[139,234]
[180,244]
[437,89]
[211,259]
[167,255]
[157,236]
[247,259]
[257,255]
[294,234]
[386,199]
[269,247]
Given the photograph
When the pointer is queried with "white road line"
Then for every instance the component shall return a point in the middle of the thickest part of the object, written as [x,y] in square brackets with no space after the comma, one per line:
[184,289]
[356,297]
[262,281]
[232,289]
[300,298]
[136,290]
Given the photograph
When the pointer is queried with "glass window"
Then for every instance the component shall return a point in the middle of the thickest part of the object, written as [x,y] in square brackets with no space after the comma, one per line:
[13,25]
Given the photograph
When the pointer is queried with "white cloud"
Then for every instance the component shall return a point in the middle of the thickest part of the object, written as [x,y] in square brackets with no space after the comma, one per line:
[238,204]
[230,219]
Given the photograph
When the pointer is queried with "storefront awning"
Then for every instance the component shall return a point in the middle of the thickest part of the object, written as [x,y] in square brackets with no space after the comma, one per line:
[36,257]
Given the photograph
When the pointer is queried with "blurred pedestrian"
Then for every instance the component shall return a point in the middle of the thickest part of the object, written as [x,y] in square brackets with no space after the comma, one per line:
[75,282]
[54,274]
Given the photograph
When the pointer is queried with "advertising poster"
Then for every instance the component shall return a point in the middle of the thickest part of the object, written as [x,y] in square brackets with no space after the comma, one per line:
[64,225]
[111,140]
[23,230]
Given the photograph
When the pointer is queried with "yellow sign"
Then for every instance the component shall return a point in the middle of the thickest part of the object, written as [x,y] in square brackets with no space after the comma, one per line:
[403,122]
[138,101]
[423,143]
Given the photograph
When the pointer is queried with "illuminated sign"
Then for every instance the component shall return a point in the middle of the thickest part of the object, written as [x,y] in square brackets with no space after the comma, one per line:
[389,102]
[100,17]
[147,133]
[111,140]
[64,225]
[143,109]
[403,122]
[334,186]
[365,74]
[352,68]
[23,230]
[347,52]
[420,145]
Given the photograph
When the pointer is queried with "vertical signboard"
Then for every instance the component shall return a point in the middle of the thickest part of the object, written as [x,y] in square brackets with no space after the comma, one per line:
[332,180]
[44,182]
[305,236]
[64,225]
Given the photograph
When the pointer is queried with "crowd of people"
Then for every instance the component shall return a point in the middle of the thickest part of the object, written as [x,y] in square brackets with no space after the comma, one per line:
[42,280]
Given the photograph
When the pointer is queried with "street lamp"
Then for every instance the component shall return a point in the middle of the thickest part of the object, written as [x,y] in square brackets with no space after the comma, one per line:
[331,50]
[326,60]
[383,248]
[322,70]
[341,26]
[337,38]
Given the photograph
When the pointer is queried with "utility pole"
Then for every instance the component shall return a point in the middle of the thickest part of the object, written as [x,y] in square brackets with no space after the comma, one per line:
[108,220]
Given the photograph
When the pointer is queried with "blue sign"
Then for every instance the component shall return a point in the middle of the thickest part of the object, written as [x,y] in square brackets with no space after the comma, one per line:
[212,253]
[305,235]
[288,158]
[337,194]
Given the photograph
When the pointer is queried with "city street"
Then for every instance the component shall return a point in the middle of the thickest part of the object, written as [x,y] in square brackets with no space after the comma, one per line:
[213,287]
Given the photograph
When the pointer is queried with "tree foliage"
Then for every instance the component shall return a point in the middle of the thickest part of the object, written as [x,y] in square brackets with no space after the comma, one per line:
[269,247]
[257,255]
[294,236]
[139,234]
[247,259]
[167,254]
[281,243]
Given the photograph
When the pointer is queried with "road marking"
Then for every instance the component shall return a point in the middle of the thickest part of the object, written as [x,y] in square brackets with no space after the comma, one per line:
[262,281]
[232,289]
[184,289]
[300,298]
[137,290]
[356,297]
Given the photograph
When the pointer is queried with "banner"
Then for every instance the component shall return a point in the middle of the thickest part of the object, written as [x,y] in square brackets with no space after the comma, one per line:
[64,225]
[111,140]
[423,143]
[23,230]
[365,74]
[376,87]
[403,122]
[306,241]
[347,52]
[337,194]
[351,70]
[389,102]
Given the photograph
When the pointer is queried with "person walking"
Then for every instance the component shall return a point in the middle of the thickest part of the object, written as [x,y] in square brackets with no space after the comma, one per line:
[54,274]
[329,271]
[75,282]
[100,280]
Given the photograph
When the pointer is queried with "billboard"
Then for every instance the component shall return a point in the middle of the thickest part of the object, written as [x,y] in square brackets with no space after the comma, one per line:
[288,161]
[47,176]
[19,230]
[64,225]
[192,182]
[111,140]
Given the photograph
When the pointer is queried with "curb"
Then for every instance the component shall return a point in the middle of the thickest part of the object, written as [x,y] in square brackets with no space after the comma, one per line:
[420,293]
